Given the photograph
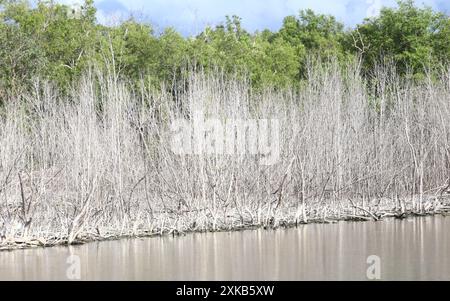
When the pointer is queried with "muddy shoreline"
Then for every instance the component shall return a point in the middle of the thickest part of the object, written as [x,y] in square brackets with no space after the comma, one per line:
[10,244]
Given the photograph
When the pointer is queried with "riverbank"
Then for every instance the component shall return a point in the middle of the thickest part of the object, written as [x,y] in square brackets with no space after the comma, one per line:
[108,161]
[408,249]
[182,223]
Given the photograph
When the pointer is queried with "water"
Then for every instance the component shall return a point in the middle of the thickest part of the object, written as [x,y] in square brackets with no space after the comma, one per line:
[413,249]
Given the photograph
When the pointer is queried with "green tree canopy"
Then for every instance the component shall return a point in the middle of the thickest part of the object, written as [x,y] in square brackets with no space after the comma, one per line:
[411,36]
[55,42]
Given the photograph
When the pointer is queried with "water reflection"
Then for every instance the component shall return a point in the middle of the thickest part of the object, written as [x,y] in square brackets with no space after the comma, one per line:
[413,249]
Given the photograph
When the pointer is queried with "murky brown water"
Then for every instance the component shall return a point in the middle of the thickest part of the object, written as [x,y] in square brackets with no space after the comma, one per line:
[413,249]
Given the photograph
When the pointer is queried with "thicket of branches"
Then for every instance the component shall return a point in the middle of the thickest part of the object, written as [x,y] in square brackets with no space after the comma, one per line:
[99,161]
[86,115]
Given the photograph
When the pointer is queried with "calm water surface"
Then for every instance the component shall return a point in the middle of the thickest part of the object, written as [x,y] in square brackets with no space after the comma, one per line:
[412,249]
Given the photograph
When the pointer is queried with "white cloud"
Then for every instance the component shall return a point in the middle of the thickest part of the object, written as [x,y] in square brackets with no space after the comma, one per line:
[190,16]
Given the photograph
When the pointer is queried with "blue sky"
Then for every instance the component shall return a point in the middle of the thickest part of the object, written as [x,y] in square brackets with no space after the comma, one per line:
[190,16]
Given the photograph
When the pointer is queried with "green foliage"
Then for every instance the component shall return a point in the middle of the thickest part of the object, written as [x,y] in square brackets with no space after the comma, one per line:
[275,63]
[132,46]
[226,46]
[413,37]
[317,35]
[52,41]
[45,40]
[20,57]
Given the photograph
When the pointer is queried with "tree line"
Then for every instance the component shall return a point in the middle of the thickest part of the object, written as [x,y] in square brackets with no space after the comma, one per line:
[56,43]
